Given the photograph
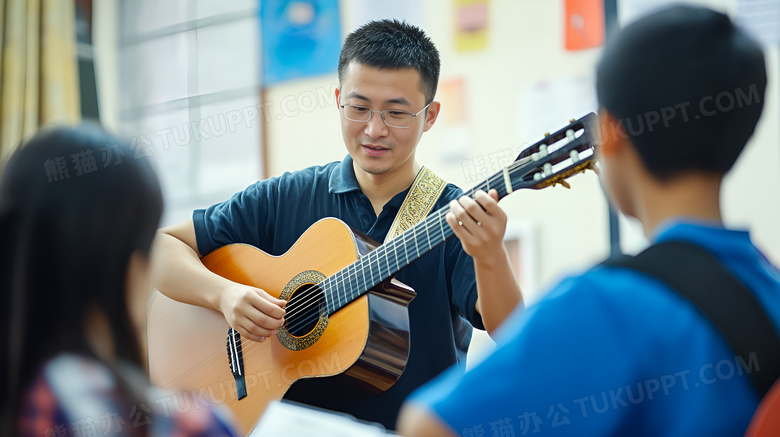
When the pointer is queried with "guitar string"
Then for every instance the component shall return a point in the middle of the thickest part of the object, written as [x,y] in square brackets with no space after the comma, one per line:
[428,224]
[360,265]
[416,240]
[294,324]
[352,273]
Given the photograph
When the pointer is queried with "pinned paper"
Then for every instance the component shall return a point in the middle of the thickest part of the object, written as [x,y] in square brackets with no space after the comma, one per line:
[584,24]
[471,24]
[300,38]
[453,106]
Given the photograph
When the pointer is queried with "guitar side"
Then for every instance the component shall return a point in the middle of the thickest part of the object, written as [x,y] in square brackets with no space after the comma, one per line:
[366,341]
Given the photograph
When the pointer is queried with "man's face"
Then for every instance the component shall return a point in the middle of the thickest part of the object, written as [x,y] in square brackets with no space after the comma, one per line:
[375,147]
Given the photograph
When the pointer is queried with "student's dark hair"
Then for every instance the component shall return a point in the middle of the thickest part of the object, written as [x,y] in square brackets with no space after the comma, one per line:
[391,45]
[687,86]
[66,244]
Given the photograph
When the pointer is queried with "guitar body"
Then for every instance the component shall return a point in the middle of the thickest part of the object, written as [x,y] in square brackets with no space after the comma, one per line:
[365,342]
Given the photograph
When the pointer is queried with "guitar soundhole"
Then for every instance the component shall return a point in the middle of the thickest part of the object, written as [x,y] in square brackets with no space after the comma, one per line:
[304,309]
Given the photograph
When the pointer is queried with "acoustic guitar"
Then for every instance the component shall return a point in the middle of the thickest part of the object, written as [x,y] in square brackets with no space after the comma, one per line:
[345,314]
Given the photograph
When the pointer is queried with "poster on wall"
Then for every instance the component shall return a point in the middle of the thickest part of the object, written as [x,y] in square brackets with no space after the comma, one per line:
[471,24]
[300,38]
[584,24]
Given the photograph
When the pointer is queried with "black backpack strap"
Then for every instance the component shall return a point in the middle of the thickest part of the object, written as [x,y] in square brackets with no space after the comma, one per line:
[696,274]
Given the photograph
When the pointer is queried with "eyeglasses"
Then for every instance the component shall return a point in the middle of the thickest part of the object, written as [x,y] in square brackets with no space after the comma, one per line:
[391,117]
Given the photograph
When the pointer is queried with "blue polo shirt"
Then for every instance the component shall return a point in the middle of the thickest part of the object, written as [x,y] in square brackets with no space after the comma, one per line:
[614,352]
[272,214]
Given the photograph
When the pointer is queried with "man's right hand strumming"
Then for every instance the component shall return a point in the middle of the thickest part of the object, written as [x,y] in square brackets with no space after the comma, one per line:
[178,272]
[251,311]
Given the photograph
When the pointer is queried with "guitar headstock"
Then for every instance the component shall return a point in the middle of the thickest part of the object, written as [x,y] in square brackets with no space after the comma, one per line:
[560,155]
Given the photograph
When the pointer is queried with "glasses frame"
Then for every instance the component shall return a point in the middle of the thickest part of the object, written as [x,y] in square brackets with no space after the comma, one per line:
[382,114]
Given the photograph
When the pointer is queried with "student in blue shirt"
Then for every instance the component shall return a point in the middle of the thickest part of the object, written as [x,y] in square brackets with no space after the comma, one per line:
[388,73]
[613,351]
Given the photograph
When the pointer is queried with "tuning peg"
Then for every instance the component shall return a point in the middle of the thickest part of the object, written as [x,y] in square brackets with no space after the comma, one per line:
[574,155]
[543,150]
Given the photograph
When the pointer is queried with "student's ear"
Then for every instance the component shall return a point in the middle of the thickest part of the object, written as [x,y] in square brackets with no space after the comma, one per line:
[612,135]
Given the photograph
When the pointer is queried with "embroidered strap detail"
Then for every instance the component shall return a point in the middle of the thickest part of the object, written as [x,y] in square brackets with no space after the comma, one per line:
[425,191]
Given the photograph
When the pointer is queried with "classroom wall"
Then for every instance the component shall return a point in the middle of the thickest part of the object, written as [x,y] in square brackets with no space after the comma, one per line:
[523,78]
[524,48]
[501,95]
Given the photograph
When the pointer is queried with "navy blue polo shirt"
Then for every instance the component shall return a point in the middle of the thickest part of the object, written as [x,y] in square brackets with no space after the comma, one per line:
[272,214]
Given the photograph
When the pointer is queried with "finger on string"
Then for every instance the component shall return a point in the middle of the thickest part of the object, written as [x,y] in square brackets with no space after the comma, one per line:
[267,307]
[487,202]
[245,333]
[456,225]
[475,211]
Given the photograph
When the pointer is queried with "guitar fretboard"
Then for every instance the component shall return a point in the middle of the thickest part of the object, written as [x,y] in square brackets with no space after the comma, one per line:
[389,258]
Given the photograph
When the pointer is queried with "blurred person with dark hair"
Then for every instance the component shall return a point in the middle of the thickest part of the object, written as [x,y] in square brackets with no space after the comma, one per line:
[75,255]
[614,351]
[388,74]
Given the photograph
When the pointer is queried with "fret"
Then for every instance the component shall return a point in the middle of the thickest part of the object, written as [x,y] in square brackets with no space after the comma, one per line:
[395,252]
[441,224]
[414,230]
[370,270]
[365,283]
[337,301]
[328,295]
[375,262]
[349,280]
[406,250]
[428,235]
[346,284]
[387,257]
[343,288]
[339,288]
[326,292]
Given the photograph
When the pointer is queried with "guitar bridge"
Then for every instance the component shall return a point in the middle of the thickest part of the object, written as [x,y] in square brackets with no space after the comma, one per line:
[236,361]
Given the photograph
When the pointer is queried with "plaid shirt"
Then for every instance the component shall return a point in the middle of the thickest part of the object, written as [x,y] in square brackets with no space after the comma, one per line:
[74,396]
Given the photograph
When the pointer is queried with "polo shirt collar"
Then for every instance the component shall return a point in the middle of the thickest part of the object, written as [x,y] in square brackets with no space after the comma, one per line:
[342,179]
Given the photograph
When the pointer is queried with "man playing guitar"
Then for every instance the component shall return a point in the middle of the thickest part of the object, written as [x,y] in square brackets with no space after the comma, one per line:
[388,74]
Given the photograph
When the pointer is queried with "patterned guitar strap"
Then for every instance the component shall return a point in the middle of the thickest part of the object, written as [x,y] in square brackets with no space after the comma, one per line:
[425,191]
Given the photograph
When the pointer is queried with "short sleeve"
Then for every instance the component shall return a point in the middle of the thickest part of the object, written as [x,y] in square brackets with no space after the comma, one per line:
[462,282]
[247,217]
[459,268]
[548,357]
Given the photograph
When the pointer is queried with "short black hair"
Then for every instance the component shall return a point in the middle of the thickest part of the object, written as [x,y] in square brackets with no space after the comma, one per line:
[687,87]
[392,44]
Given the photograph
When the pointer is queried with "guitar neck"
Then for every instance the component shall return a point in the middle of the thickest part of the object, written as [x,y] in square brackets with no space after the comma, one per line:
[550,161]
[389,258]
